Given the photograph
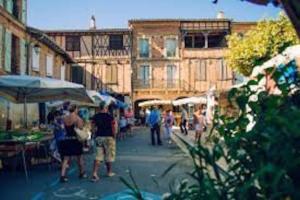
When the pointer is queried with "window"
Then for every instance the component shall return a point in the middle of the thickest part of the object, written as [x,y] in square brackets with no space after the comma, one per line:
[144,48]
[116,42]
[49,65]
[72,43]
[15,54]
[77,74]
[201,70]
[188,42]
[144,75]
[112,74]
[171,76]
[194,41]
[16,10]
[171,47]
[223,70]
[216,41]
[199,41]
[35,59]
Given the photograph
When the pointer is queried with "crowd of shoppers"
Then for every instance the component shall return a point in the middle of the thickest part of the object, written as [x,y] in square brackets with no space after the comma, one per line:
[106,129]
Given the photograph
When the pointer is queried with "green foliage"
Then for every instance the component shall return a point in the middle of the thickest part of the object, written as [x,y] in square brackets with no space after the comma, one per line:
[261,163]
[260,44]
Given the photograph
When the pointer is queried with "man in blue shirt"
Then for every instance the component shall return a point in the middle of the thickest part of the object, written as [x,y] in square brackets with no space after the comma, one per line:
[154,123]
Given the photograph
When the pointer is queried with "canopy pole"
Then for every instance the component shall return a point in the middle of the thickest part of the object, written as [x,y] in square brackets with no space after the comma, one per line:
[25,111]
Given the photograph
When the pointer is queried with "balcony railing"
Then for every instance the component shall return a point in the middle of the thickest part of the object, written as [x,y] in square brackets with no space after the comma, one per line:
[159,84]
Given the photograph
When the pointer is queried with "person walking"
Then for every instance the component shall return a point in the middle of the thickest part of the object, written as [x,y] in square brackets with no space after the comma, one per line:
[129,115]
[199,122]
[168,125]
[154,123]
[142,116]
[123,128]
[105,141]
[70,146]
[183,121]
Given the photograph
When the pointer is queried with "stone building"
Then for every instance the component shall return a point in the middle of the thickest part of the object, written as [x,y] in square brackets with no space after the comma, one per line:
[153,59]
[27,51]
[176,58]
[103,56]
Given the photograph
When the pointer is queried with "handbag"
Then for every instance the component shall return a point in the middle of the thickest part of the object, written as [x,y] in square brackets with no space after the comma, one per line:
[82,134]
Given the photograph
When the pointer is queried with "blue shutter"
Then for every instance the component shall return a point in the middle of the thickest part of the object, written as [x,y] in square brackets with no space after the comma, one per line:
[9,6]
[1,45]
[23,56]
[24,11]
[8,37]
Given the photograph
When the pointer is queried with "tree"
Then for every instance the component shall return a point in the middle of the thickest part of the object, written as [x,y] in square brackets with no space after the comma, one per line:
[266,40]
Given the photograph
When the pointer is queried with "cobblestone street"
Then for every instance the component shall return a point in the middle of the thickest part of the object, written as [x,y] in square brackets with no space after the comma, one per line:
[146,162]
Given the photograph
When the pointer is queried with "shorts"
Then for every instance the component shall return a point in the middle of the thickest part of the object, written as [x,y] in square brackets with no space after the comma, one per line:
[123,129]
[198,127]
[105,149]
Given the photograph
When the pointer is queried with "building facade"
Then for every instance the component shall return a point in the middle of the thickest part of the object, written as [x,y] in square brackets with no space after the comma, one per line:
[103,56]
[162,59]
[27,51]
[172,59]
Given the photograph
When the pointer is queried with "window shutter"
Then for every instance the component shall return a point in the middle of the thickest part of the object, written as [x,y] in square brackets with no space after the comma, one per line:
[201,70]
[1,44]
[35,60]
[220,70]
[49,65]
[108,74]
[63,73]
[24,11]
[8,40]
[23,55]
[9,6]
[115,74]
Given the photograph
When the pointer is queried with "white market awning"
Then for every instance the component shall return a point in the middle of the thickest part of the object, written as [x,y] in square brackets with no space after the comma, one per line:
[97,97]
[190,100]
[155,102]
[285,57]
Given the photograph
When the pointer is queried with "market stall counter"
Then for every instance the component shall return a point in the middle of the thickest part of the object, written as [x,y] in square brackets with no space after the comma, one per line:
[15,143]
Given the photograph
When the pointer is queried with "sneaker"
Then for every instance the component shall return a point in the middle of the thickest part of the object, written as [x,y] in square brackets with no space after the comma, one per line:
[63,179]
[111,174]
[95,179]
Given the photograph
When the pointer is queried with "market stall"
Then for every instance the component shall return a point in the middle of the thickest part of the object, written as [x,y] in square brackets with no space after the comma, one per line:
[28,89]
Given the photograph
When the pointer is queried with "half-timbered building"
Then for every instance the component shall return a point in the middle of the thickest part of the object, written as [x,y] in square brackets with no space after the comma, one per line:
[103,56]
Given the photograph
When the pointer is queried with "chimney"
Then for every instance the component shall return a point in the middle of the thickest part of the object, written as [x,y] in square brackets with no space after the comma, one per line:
[220,15]
[93,22]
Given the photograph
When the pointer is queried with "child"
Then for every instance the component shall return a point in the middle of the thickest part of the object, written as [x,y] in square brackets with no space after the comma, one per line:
[123,127]
[59,134]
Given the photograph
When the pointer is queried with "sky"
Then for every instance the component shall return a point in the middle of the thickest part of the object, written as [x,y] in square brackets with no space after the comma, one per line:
[76,14]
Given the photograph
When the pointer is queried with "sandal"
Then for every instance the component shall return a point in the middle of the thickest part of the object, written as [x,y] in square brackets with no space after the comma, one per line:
[82,175]
[111,174]
[63,179]
[95,179]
